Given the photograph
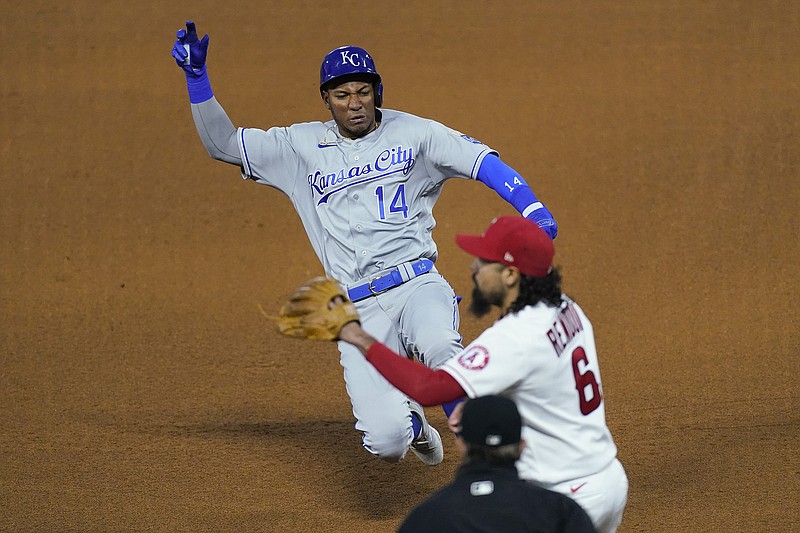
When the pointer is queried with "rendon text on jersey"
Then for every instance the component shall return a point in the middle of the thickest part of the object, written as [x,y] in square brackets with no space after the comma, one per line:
[564,329]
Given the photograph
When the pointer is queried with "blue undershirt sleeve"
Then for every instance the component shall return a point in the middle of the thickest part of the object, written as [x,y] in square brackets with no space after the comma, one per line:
[507,182]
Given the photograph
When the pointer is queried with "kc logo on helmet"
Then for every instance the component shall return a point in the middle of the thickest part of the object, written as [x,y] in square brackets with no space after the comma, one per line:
[348,57]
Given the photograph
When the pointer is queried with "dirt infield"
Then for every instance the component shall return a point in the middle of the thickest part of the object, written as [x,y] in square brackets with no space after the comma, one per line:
[142,390]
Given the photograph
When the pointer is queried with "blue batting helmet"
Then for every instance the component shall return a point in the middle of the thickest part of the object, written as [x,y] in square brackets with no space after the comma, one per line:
[347,60]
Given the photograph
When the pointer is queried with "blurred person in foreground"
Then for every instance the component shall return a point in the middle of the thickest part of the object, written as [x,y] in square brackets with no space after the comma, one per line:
[487,494]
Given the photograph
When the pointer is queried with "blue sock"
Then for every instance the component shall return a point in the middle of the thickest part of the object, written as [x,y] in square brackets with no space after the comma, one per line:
[416,424]
[449,406]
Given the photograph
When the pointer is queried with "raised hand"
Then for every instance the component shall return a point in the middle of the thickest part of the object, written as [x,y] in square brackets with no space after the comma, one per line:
[189,51]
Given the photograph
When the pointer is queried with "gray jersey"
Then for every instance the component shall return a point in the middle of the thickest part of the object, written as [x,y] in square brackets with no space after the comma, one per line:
[366,204]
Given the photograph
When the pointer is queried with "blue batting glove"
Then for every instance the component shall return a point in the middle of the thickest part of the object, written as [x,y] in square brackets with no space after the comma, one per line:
[545,220]
[189,51]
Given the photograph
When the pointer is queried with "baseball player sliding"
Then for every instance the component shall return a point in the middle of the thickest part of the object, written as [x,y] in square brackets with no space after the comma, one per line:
[540,353]
[364,184]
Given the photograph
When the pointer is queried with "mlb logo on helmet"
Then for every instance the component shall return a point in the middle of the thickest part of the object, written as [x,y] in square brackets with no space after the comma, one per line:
[491,421]
[348,60]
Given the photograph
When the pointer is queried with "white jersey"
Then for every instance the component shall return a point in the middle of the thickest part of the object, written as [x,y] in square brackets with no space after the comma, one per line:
[366,204]
[544,358]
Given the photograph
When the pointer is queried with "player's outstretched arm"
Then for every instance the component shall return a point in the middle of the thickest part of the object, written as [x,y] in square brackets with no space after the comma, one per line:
[215,128]
[321,310]
[513,189]
[425,385]
[216,131]
[190,54]
[354,334]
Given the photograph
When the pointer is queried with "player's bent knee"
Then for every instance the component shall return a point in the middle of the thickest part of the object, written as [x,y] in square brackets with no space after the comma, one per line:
[437,354]
[391,459]
[390,447]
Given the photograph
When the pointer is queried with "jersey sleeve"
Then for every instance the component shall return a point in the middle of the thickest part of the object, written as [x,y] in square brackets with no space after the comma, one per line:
[425,385]
[493,363]
[268,157]
[451,154]
[216,131]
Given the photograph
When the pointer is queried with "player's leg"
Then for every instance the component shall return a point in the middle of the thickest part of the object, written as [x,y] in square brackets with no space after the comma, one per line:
[382,412]
[429,319]
[429,323]
[616,496]
[386,310]
[602,495]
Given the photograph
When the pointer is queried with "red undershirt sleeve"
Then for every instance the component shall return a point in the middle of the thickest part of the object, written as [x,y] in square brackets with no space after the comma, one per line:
[425,385]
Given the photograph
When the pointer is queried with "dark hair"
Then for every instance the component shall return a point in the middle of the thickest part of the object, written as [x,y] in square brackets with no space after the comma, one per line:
[534,290]
[499,455]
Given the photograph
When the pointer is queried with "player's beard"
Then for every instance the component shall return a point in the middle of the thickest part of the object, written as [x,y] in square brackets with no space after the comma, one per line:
[481,302]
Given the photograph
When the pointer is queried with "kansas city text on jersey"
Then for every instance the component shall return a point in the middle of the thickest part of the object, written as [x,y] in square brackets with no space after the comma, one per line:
[388,162]
[564,328]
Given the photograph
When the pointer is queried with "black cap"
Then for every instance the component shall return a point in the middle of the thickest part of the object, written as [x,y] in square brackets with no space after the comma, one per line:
[491,421]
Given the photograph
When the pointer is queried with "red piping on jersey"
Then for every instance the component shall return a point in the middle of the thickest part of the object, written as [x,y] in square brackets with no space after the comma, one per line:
[427,386]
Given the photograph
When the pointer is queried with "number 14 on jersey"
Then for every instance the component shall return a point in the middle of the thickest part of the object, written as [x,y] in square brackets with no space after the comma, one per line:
[396,205]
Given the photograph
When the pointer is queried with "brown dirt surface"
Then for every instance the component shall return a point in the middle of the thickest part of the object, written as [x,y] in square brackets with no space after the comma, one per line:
[143,391]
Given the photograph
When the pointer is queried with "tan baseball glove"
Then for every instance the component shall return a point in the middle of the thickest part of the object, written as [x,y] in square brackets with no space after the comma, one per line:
[318,310]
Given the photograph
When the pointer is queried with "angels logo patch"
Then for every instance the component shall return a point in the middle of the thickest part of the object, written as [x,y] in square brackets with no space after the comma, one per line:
[476,358]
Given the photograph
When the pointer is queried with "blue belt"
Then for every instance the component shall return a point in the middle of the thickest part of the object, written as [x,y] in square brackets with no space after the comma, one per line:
[397,276]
